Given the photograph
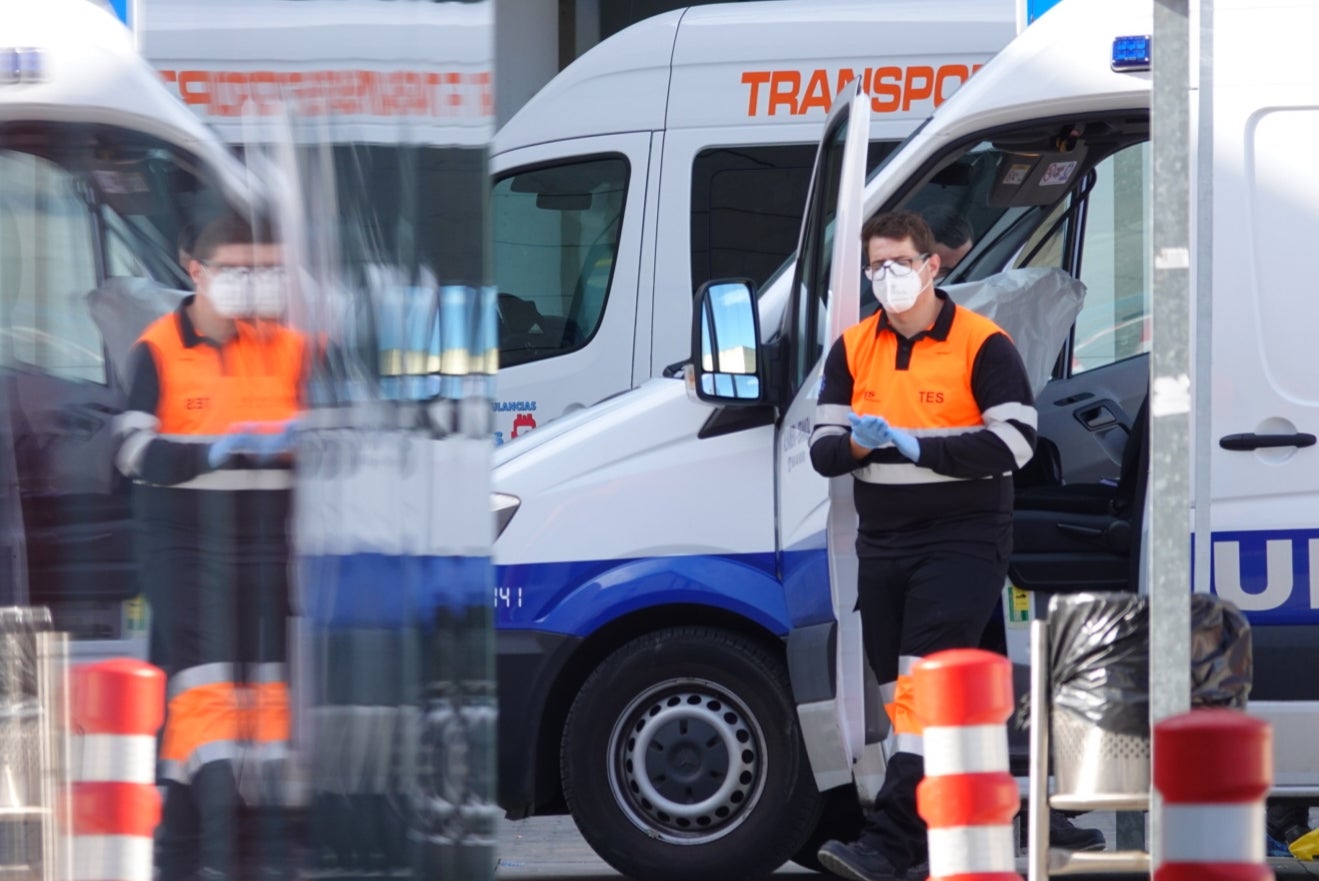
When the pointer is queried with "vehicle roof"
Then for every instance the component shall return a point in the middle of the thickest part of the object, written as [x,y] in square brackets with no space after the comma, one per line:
[1061,62]
[1059,65]
[623,83]
[187,29]
[90,72]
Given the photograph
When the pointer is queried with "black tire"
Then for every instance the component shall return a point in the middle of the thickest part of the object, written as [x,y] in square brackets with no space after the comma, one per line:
[840,818]
[684,695]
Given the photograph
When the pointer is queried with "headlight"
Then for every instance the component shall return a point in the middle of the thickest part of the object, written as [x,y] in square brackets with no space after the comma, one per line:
[504,506]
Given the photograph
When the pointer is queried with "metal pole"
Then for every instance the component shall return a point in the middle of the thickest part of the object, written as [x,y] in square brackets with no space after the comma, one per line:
[1170,383]
[1203,285]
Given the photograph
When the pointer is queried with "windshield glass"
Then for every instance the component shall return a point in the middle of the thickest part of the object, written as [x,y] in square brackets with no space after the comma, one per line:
[556,234]
[90,221]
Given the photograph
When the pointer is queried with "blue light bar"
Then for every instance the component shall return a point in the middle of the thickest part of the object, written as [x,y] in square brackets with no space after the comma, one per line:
[20,66]
[1131,53]
[29,65]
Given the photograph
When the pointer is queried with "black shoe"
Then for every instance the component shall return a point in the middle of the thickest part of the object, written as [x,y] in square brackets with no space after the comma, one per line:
[1066,835]
[919,872]
[858,862]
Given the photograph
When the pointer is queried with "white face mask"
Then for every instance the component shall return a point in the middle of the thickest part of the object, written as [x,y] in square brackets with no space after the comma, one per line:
[269,292]
[897,295]
[230,293]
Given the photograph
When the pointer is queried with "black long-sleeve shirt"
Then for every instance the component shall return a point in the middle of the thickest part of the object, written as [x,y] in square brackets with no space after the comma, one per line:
[961,389]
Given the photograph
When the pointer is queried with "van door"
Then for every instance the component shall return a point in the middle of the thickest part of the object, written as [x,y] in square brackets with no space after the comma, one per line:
[1264,417]
[81,273]
[566,244]
[817,522]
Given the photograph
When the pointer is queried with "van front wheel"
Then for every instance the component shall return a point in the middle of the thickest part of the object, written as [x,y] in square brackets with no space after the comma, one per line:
[682,758]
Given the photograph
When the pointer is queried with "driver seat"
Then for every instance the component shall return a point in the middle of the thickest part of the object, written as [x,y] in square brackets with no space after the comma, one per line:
[1085,536]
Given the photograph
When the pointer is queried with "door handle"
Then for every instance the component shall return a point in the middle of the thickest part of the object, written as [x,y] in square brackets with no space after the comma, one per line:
[1253,441]
[1096,417]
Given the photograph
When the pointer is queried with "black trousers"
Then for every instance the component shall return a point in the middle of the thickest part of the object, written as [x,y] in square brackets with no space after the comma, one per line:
[216,579]
[915,606]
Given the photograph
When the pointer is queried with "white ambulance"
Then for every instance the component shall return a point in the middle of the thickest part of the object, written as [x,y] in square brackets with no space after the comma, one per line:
[99,164]
[677,645]
[675,151]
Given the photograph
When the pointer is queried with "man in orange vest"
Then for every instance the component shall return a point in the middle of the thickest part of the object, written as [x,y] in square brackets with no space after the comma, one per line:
[214,386]
[929,407]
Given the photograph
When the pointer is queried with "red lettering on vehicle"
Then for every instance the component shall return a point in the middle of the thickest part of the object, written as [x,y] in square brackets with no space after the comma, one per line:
[783,88]
[892,89]
[755,79]
[886,89]
[817,93]
[229,93]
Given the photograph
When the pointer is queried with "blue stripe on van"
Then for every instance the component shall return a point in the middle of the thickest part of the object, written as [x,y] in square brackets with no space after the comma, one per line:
[1271,575]
[389,591]
[577,598]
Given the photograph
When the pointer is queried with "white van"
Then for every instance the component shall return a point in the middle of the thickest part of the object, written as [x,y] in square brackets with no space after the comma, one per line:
[676,151]
[668,565]
[99,165]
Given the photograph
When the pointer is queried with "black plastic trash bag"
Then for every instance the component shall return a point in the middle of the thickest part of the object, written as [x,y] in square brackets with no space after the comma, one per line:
[1099,661]
[1221,665]
[1099,657]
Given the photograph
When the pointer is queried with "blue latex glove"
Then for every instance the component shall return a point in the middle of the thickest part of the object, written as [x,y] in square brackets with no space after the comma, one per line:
[273,444]
[873,432]
[228,446]
[906,443]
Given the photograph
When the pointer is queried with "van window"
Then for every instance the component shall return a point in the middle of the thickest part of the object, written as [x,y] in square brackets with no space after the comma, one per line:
[555,241]
[1114,323]
[1095,228]
[47,268]
[747,207]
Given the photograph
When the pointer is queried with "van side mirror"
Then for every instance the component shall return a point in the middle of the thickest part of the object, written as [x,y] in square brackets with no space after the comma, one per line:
[725,366]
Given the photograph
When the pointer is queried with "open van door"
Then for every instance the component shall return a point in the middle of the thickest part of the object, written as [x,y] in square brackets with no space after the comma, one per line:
[825,650]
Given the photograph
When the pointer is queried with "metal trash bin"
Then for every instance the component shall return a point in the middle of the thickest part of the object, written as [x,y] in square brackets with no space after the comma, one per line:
[1099,681]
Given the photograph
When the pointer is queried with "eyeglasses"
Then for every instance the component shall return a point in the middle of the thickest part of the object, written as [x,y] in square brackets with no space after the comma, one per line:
[245,273]
[898,267]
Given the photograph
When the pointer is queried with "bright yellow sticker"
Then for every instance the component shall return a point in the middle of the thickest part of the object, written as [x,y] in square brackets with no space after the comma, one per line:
[1018,605]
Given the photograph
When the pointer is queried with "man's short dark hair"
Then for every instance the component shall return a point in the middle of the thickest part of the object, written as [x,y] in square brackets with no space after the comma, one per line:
[231,229]
[899,225]
[948,226]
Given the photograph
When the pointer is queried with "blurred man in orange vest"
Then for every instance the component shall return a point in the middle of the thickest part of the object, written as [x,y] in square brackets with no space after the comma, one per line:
[204,439]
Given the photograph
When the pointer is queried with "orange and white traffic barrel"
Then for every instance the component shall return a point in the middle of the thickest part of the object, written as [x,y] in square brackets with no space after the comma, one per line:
[117,708]
[1214,768]
[968,797]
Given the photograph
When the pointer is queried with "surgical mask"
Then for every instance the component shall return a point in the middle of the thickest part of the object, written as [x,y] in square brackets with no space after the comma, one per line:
[230,293]
[898,294]
[269,292]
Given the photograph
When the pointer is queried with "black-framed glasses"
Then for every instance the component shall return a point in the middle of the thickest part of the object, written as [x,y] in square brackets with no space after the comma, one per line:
[898,267]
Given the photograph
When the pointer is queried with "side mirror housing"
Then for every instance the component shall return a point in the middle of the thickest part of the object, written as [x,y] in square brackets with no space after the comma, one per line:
[727,363]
